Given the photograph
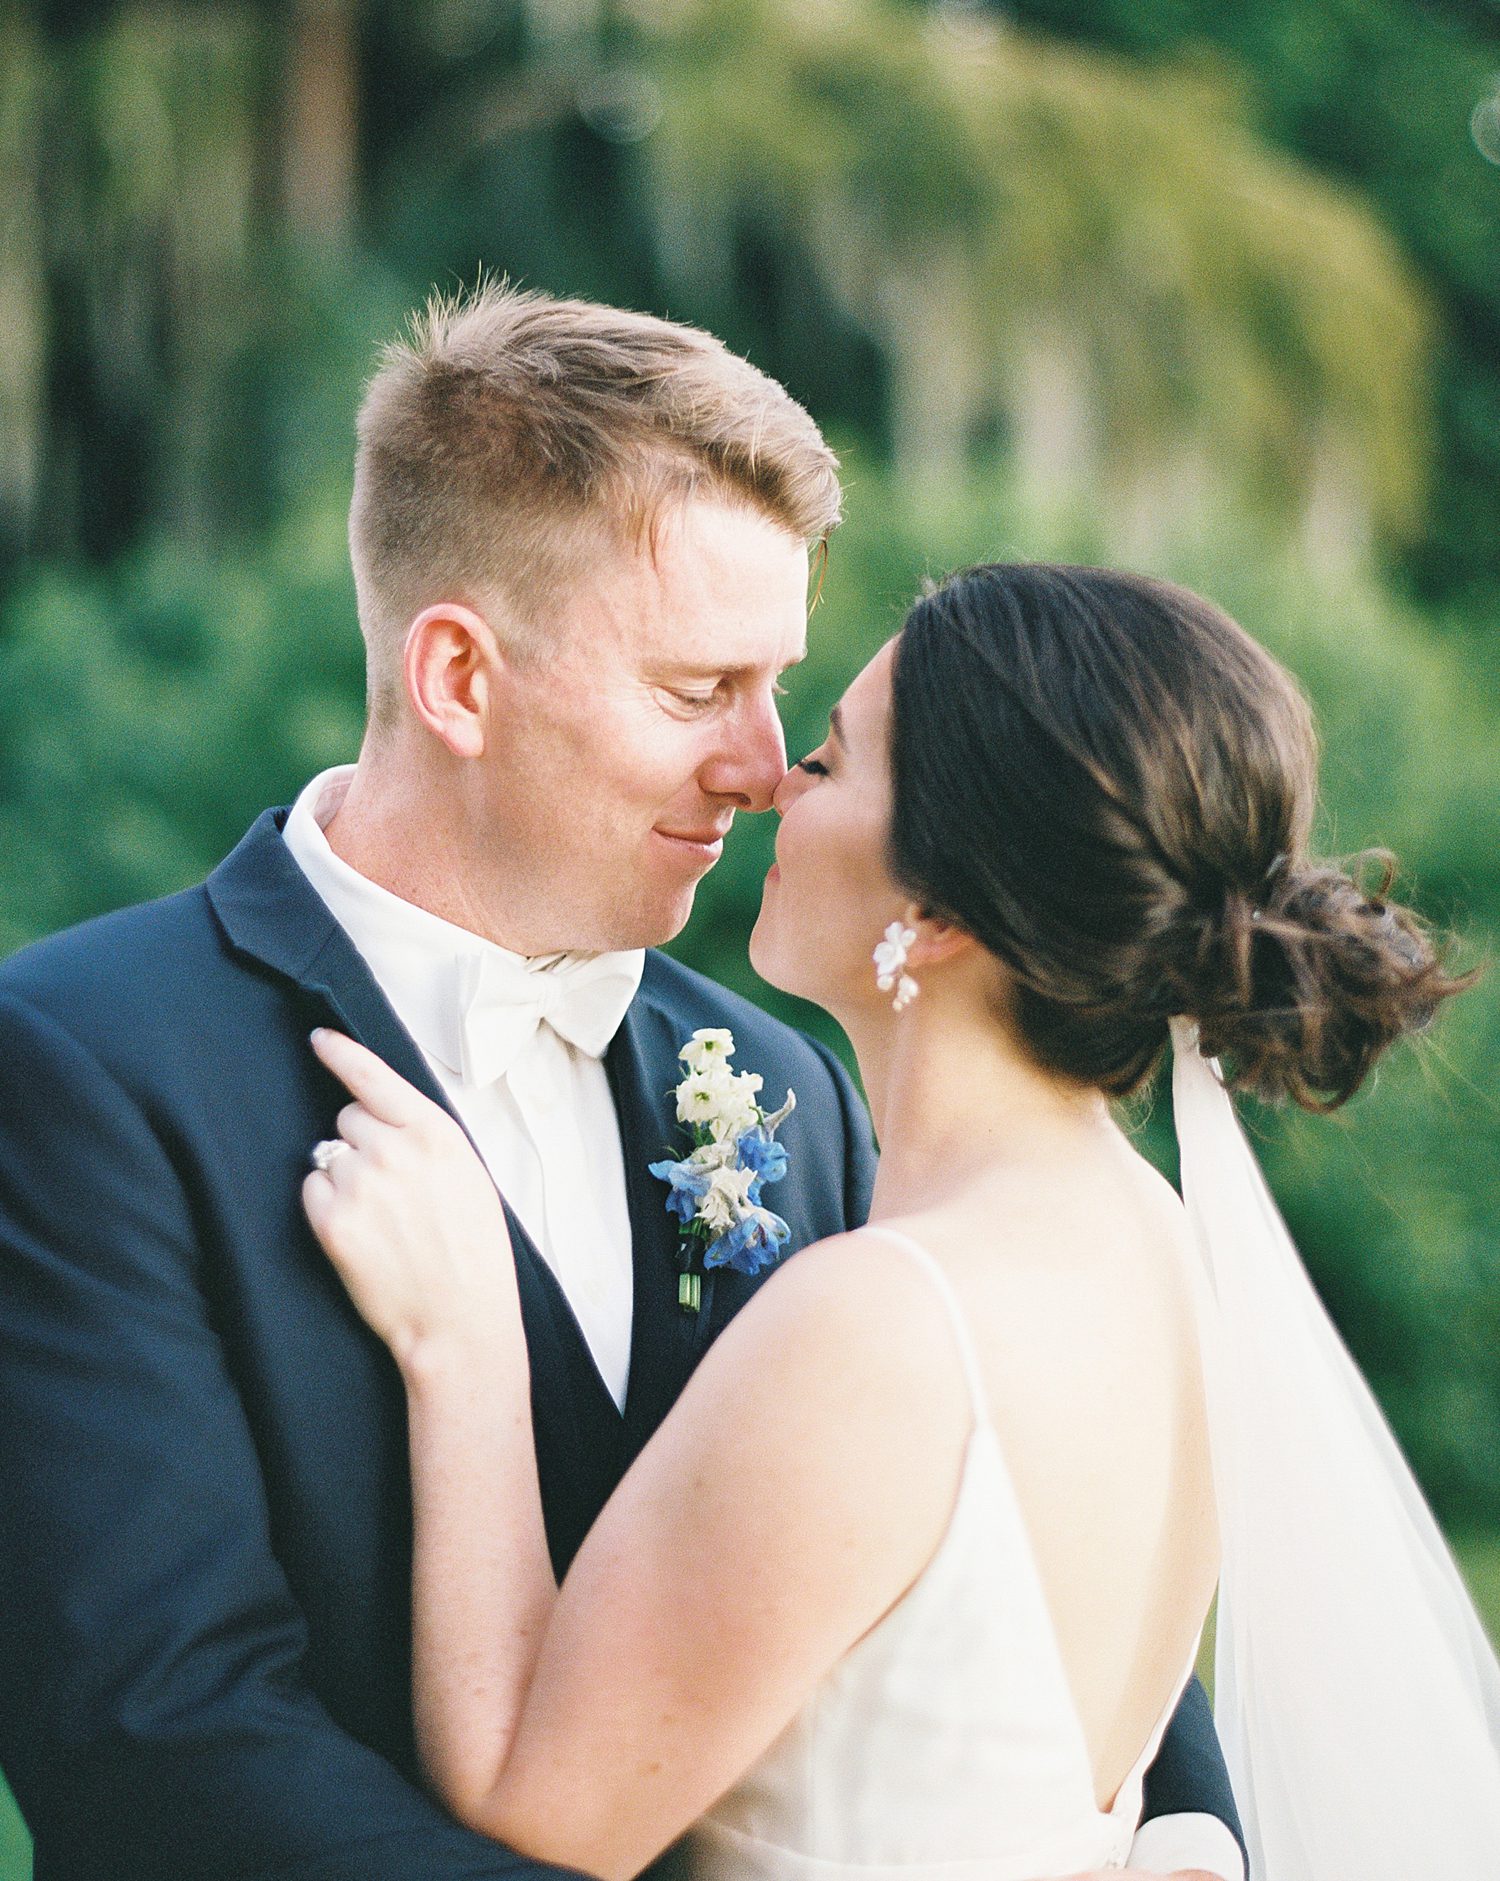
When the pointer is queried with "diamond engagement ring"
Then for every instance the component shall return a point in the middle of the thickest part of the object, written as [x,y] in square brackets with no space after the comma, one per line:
[324,1153]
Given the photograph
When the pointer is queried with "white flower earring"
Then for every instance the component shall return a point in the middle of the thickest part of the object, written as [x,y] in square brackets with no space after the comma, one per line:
[890,965]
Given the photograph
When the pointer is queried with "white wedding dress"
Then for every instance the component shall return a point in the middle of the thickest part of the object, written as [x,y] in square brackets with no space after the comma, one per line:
[945,1745]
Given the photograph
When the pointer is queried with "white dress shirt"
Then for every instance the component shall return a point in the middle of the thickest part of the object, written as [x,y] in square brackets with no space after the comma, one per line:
[537,1106]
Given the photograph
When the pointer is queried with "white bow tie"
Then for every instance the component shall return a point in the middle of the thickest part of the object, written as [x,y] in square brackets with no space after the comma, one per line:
[502,1002]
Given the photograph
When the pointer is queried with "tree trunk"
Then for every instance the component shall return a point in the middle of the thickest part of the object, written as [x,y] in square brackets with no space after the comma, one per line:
[322,122]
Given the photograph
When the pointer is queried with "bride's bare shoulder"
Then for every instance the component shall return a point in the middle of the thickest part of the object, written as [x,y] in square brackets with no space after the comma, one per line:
[853,1313]
[864,1280]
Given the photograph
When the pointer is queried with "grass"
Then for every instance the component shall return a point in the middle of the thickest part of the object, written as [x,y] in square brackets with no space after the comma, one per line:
[1478,1556]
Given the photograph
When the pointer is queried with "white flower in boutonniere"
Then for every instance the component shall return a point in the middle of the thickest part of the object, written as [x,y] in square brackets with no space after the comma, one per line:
[720,1099]
[714,1045]
[726,1197]
[715,1190]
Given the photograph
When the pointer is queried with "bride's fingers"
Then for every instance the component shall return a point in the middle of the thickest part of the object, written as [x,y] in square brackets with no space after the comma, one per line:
[383,1092]
[360,1127]
[337,1198]
[337,1229]
[319,1199]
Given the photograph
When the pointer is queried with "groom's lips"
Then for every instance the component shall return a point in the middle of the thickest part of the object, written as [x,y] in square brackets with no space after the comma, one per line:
[705,844]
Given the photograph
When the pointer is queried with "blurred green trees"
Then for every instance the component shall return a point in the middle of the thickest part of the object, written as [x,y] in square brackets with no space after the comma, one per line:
[940,228]
[1380,94]
[1204,289]
[1093,262]
[1046,296]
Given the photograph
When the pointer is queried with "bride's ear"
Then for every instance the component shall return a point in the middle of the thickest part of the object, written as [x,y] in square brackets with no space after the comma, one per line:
[937,940]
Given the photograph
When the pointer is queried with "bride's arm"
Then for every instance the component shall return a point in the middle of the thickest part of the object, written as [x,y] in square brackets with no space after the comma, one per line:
[784,1505]
[482,1583]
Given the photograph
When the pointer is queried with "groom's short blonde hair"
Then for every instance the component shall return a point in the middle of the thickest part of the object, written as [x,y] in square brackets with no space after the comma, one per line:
[512,439]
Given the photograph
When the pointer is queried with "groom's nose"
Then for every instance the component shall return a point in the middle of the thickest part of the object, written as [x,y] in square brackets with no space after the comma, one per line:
[749,757]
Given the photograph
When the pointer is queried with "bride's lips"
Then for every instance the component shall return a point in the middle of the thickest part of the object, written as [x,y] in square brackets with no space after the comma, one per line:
[773,874]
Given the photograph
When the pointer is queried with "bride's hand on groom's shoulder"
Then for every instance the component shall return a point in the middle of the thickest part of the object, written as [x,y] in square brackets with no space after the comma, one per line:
[408,1214]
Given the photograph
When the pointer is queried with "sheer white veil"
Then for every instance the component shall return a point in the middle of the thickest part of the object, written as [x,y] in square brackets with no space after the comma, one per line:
[1357,1698]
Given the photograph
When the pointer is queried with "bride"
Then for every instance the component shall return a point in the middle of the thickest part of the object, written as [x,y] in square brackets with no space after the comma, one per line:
[909,1582]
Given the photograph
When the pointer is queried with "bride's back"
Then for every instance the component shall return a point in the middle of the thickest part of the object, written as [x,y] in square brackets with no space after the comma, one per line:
[1075,1286]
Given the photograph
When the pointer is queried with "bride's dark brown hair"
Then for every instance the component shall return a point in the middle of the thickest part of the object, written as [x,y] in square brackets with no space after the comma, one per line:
[1110,785]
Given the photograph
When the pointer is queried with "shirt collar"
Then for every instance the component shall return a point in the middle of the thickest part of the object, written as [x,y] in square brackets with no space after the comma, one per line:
[426,967]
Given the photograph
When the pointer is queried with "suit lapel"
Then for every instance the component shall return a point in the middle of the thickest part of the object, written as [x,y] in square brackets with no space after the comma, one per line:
[271,911]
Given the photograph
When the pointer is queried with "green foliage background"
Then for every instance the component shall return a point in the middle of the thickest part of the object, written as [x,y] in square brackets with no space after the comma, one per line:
[1204,290]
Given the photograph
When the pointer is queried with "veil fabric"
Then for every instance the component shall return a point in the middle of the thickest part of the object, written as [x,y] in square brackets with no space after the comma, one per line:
[1357,1698]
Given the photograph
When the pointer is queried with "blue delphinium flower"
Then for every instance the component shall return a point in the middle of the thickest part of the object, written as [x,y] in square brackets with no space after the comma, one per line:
[759,1150]
[689,1186]
[752,1243]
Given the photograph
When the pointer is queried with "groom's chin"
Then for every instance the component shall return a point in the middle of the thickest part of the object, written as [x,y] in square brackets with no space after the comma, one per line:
[660,922]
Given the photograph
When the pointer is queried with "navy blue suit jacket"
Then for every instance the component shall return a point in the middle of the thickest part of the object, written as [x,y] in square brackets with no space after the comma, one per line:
[205,1528]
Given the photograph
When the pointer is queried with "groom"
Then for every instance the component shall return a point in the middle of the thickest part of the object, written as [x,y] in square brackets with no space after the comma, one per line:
[584,532]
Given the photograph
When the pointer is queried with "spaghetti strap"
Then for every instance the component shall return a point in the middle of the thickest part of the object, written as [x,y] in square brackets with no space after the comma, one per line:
[968,1357]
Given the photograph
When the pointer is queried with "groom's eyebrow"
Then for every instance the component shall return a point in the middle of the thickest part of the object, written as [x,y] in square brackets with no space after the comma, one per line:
[729,669]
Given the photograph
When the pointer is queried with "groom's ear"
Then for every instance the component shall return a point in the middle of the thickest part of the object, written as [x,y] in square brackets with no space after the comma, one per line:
[936,940]
[450,663]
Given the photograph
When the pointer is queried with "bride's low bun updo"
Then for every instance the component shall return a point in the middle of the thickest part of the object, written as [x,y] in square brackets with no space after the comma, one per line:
[1110,785]
[1302,995]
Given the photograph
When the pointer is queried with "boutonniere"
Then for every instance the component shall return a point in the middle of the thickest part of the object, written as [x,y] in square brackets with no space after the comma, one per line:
[715,1190]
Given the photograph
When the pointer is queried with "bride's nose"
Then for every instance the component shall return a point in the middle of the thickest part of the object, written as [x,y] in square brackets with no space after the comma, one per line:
[787,791]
